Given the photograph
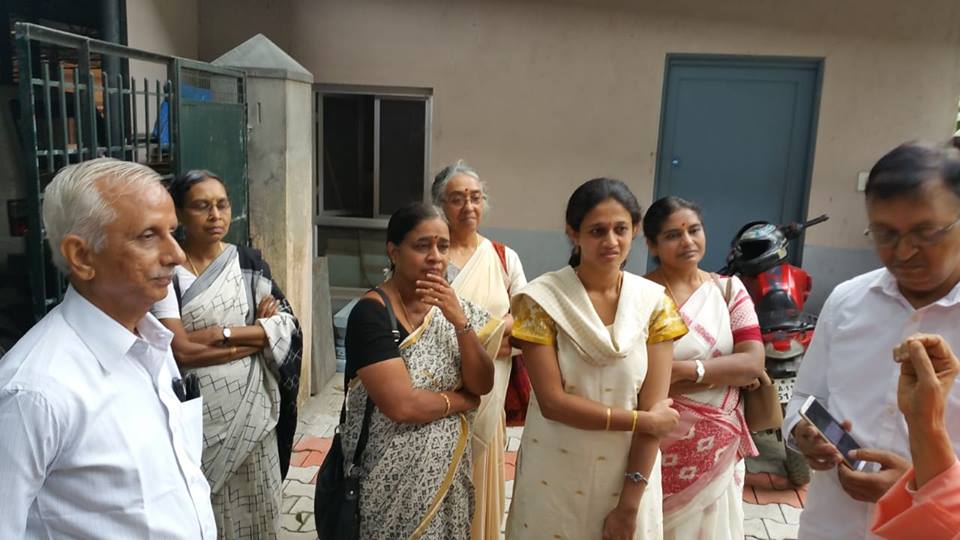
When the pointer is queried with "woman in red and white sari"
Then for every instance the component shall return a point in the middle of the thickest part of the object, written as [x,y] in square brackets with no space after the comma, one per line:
[702,463]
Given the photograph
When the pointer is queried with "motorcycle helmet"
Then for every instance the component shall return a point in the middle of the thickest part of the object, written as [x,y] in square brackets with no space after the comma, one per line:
[758,247]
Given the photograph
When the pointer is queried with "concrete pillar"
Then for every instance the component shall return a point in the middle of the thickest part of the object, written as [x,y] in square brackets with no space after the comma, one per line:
[280,170]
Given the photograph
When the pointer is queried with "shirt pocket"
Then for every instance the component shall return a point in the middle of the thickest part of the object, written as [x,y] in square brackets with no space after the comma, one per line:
[191,418]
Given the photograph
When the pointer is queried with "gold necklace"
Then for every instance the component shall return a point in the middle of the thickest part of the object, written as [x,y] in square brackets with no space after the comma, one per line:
[666,283]
[190,261]
[403,307]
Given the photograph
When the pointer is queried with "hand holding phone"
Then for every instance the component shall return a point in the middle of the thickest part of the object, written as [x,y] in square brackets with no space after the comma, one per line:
[833,432]
[885,468]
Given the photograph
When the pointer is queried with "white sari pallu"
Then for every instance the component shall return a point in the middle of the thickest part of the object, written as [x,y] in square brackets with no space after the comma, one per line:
[242,398]
[702,459]
[569,479]
[481,281]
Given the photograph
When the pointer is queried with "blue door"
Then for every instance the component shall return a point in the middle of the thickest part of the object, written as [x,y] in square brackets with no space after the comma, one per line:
[737,138]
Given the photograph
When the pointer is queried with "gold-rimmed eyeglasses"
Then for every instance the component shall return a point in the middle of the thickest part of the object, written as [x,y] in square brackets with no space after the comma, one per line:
[458,199]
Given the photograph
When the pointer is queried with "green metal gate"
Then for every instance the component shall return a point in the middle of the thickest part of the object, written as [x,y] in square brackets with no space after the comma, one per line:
[78,102]
[212,132]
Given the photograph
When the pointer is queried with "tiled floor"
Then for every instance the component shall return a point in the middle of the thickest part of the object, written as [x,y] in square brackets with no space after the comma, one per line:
[772,509]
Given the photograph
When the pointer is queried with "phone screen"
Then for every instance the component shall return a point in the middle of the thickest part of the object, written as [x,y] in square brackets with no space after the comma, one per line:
[817,415]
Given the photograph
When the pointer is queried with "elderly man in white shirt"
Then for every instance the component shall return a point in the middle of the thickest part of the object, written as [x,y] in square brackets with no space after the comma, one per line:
[913,206]
[94,440]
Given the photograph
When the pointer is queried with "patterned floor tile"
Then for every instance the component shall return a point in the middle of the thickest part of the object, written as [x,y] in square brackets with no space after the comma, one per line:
[292,488]
[791,514]
[510,465]
[780,531]
[302,474]
[759,479]
[768,496]
[754,528]
[314,458]
[288,502]
[313,443]
[759,511]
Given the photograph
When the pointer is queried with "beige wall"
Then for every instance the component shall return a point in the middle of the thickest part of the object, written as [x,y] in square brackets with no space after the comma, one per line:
[540,96]
[161,26]
[164,26]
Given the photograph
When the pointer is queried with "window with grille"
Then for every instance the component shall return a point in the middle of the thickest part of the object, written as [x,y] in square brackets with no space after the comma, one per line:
[373,152]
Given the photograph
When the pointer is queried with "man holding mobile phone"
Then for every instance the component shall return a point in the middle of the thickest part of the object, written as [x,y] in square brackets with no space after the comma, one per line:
[913,209]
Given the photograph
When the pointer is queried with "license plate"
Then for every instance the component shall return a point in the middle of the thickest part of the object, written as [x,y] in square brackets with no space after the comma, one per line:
[785,388]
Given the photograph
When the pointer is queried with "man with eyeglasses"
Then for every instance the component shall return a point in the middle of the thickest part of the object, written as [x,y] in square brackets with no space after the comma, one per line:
[913,208]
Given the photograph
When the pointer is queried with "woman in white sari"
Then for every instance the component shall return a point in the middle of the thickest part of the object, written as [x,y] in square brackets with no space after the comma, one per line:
[484,272]
[598,344]
[702,463]
[237,333]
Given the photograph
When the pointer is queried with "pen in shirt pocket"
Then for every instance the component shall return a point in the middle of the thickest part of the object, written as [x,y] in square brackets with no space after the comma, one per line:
[191,386]
[187,388]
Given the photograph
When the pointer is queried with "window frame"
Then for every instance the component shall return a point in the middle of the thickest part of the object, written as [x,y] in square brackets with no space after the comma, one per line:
[330,218]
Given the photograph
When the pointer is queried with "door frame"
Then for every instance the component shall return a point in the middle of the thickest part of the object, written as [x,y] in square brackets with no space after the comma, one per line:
[673,60]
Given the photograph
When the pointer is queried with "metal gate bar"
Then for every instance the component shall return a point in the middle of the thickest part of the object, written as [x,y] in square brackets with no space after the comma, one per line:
[112,115]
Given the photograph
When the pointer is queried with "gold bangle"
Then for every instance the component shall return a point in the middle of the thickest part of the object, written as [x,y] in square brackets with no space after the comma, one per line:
[445,398]
[233,352]
[609,413]
[633,426]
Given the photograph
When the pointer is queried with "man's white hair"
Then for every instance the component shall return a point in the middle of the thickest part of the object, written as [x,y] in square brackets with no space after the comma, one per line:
[80,198]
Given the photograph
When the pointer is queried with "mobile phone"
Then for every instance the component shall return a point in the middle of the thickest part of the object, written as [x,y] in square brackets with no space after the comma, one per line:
[831,430]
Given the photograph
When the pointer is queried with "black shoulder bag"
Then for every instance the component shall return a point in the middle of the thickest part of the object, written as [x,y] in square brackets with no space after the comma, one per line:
[336,502]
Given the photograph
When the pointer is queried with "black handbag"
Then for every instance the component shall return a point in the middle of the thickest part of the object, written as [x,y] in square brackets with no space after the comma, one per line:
[336,502]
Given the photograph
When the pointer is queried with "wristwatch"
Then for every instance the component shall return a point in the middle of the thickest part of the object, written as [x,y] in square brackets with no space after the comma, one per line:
[226,334]
[466,328]
[636,477]
[701,371]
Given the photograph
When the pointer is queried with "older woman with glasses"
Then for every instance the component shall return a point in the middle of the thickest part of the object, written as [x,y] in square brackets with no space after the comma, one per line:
[236,332]
[485,272]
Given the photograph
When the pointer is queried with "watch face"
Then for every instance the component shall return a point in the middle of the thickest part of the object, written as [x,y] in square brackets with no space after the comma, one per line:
[226,333]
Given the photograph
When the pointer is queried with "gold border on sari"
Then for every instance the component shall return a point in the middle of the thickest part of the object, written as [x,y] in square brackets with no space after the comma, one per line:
[447,481]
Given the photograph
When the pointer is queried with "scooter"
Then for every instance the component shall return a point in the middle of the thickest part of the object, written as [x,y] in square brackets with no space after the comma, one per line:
[758,256]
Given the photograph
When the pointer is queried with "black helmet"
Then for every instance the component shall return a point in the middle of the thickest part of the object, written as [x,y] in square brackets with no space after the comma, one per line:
[758,247]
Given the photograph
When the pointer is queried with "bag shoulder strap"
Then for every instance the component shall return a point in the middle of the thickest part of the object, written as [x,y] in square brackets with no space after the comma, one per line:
[176,290]
[368,408]
[390,314]
[726,291]
[501,250]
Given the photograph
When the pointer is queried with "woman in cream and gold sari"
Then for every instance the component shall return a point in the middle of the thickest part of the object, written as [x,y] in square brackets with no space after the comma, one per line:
[702,466]
[598,343]
[484,272]
[424,383]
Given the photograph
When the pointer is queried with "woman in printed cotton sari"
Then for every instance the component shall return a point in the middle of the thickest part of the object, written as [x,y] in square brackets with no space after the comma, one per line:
[598,343]
[702,463]
[415,479]
[235,330]
[483,272]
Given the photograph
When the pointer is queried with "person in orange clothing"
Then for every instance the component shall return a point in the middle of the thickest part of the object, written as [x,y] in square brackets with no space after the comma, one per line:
[925,502]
